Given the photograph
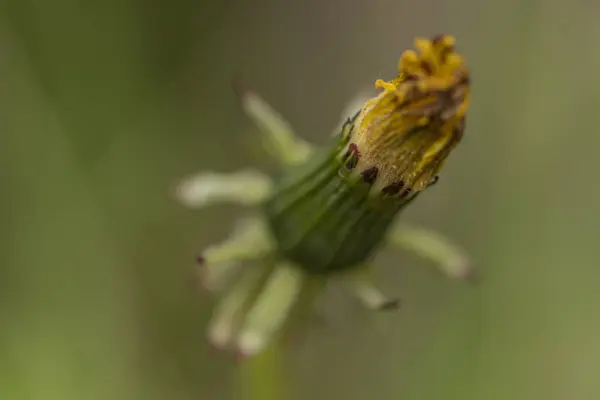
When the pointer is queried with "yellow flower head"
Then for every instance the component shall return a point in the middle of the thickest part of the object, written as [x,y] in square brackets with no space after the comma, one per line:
[408,130]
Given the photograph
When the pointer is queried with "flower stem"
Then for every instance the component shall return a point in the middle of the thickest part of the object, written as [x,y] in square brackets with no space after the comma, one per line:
[261,375]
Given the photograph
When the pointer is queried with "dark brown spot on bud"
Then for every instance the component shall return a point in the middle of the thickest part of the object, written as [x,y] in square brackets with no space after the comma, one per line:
[410,78]
[392,189]
[200,260]
[351,157]
[406,192]
[370,175]
[351,163]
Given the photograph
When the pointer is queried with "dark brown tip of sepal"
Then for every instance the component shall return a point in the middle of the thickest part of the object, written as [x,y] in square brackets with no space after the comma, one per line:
[200,260]
[473,276]
[406,192]
[433,181]
[370,175]
[240,356]
[389,305]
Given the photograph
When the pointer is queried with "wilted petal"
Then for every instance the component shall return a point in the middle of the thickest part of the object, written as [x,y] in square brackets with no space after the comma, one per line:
[219,263]
[230,312]
[271,308]
[246,187]
[450,259]
[277,134]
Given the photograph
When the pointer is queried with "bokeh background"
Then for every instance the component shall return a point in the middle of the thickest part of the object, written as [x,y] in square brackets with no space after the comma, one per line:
[104,105]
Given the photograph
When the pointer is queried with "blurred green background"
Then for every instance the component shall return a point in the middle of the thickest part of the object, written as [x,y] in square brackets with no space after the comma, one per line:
[104,105]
